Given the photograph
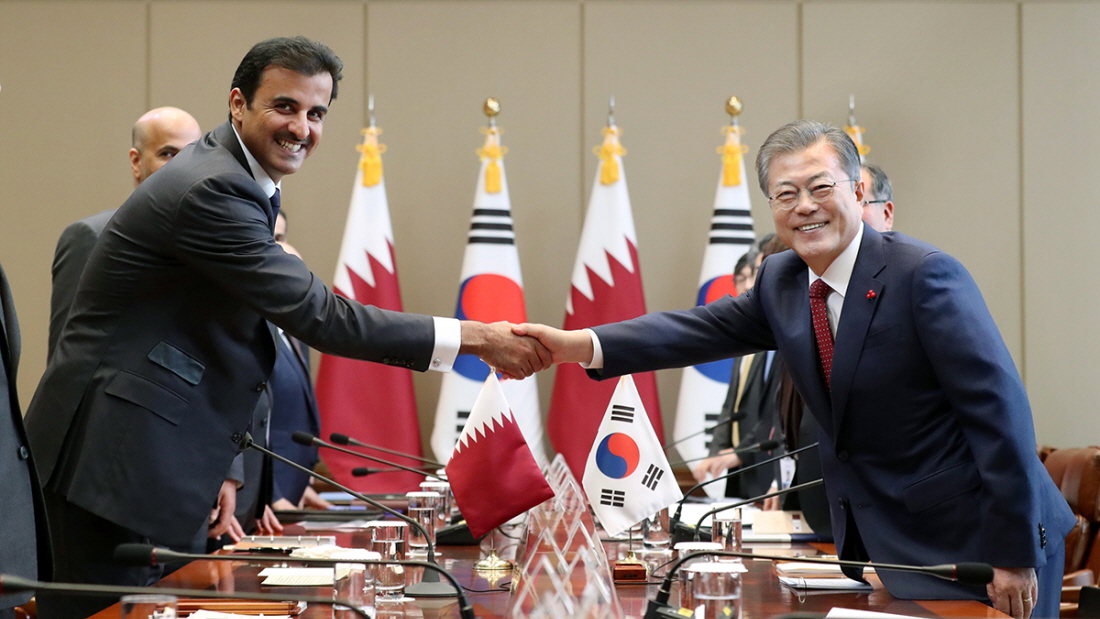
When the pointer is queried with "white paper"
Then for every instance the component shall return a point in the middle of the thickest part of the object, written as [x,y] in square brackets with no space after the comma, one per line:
[851,613]
[210,614]
[297,576]
[836,584]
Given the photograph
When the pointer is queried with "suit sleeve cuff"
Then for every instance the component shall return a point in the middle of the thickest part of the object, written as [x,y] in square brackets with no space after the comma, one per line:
[597,353]
[448,339]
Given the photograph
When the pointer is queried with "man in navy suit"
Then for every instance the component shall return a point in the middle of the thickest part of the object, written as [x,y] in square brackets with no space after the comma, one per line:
[927,442]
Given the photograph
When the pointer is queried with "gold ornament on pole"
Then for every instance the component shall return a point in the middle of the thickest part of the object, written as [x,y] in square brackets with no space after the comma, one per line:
[371,160]
[492,151]
[733,150]
[854,131]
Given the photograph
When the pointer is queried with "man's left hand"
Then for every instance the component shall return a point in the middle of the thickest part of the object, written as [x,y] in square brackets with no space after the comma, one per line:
[1014,591]
[268,524]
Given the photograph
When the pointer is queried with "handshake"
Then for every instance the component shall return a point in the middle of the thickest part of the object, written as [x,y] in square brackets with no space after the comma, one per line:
[518,351]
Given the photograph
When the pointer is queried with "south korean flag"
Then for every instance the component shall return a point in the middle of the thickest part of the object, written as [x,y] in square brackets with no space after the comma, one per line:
[627,477]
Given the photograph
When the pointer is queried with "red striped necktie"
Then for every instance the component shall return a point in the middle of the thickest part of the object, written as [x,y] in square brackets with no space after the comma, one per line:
[819,290]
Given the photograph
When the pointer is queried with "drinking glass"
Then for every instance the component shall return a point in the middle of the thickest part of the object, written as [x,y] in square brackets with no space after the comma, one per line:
[423,508]
[388,540]
[148,606]
[726,530]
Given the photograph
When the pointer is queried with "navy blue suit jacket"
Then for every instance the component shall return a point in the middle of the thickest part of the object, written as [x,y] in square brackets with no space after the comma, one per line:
[928,442]
[293,409]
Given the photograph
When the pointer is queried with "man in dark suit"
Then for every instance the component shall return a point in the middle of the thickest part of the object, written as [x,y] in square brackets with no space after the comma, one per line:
[927,441]
[166,350]
[156,137]
[24,540]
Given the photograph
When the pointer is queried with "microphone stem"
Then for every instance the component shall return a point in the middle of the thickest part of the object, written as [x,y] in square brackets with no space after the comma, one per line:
[438,465]
[807,485]
[680,507]
[362,497]
[379,460]
[13,583]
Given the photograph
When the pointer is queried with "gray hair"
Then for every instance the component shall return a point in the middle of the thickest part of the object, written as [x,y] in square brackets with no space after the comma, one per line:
[800,135]
[880,183]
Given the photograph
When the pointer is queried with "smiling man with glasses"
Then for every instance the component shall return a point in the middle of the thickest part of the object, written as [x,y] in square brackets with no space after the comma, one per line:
[927,443]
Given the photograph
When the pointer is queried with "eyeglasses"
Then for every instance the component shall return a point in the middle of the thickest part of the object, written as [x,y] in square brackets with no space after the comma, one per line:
[869,202]
[820,192]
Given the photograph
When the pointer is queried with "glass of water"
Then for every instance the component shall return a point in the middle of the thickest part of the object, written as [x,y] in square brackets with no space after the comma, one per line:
[424,509]
[717,590]
[726,530]
[148,606]
[388,540]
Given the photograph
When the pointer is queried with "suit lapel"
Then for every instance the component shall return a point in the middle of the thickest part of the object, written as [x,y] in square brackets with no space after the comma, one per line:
[860,302]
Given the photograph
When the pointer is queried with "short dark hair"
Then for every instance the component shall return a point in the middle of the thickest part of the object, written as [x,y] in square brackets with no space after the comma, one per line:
[800,135]
[880,183]
[295,54]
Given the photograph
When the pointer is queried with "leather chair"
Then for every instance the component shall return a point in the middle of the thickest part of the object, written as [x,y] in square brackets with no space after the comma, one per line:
[1076,471]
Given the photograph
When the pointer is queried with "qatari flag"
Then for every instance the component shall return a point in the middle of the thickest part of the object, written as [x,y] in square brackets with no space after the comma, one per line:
[493,474]
[369,401]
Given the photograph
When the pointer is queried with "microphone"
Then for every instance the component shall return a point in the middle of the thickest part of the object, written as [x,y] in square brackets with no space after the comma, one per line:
[343,439]
[748,449]
[15,584]
[425,588]
[147,554]
[362,471]
[721,422]
[307,439]
[674,522]
[963,573]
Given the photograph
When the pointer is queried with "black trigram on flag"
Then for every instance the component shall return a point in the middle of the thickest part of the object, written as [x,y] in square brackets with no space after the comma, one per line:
[622,413]
[652,476]
[614,498]
[709,419]
[460,422]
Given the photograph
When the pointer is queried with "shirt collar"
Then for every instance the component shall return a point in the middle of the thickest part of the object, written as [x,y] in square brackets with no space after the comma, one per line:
[840,271]
[266,184]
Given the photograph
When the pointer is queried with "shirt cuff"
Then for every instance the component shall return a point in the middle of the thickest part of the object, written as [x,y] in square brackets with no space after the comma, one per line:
[597,353]
[448,339]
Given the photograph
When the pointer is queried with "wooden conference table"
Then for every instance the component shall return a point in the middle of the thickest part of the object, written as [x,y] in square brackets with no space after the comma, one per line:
[762,595]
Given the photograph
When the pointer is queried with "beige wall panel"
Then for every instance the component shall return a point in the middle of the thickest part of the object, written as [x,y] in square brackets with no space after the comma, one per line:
[430,67]
[671,66]
[1061,61]
[939,102]
[196,47]
[73,76]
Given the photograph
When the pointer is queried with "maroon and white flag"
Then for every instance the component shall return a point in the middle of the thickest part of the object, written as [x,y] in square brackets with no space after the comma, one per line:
[606,287]
[493,474]
[371,402]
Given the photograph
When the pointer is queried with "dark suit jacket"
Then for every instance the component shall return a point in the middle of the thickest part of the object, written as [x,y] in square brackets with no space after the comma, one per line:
[72,252]
[294,408]
[760,423]
[166,351]
[24,537]
[928,442]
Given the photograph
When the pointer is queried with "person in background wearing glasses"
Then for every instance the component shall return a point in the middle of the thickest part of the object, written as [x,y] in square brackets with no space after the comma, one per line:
[878,198]
[927,443]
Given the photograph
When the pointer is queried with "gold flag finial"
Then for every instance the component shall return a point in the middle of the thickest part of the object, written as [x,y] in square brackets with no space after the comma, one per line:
[370,162]
[491,109]
[733,150]
[854,131]
[492,150]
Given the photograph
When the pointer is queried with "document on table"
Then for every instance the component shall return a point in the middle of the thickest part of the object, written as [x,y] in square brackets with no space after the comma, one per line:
[833,584]
[297,576]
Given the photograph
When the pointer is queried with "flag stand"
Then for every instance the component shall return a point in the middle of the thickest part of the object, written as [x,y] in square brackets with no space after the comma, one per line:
[493,562]
[630,568]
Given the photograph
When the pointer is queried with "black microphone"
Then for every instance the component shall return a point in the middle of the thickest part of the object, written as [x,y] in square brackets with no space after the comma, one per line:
[674,522]
[343,439]
[362,471]
[149,555]
[15,584]
[307,439]
[425,588]
[767,445]
[720,422]
[963,573]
